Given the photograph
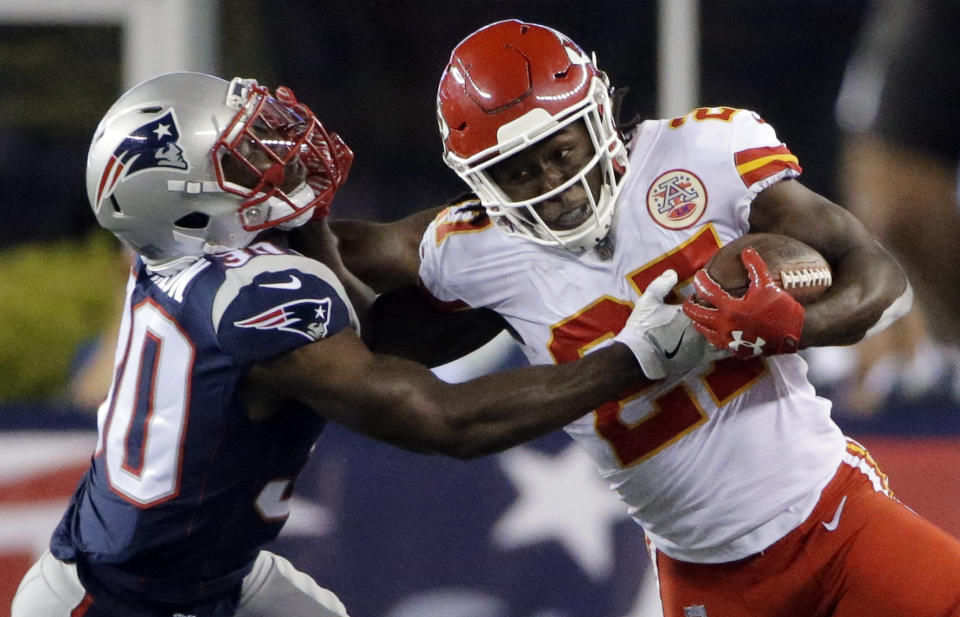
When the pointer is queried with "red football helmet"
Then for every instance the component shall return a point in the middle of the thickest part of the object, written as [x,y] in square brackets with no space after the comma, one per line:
[510,85]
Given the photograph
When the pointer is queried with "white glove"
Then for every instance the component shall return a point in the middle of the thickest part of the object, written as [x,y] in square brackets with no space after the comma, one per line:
[661,336]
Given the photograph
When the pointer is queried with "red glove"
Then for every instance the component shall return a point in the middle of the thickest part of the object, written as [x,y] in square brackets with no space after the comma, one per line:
[766,320]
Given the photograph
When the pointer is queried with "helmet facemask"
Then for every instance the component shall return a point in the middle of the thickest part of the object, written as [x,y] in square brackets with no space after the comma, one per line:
[511,86]
[186,164]
[277,156]
[519,218]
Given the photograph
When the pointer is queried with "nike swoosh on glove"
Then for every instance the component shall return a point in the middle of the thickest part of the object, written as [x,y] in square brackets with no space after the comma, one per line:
[661,336]
[766,320]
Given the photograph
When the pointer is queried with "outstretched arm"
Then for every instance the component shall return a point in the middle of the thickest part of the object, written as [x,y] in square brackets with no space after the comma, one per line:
[403,403]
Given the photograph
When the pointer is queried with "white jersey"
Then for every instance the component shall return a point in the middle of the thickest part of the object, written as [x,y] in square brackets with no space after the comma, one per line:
[724,462]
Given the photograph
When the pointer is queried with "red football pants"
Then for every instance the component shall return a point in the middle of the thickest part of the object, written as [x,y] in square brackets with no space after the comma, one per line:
[879,560]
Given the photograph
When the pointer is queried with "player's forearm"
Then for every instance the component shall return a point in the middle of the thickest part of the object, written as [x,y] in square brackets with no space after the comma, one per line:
[403,403]
[867,283]
[498,411]
[375,255]
[384,255]
[866,278]
[316,240]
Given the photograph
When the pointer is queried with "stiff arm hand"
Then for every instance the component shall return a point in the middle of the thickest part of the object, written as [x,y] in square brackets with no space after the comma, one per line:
[661,336]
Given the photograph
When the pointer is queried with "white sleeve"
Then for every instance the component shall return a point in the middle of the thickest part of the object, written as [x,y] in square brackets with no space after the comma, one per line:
[759,157]
[432,273]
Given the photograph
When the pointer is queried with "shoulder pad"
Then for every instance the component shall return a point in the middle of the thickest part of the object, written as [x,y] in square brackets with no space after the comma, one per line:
[275,303]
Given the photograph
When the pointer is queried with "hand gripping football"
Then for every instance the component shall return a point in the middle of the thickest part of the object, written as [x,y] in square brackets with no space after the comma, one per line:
[794,266]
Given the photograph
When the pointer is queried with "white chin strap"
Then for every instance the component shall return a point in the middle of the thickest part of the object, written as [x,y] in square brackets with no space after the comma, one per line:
[300,198]
[235,237]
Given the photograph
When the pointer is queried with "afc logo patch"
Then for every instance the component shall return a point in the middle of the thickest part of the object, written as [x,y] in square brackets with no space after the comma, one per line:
[677,199]
[154,145]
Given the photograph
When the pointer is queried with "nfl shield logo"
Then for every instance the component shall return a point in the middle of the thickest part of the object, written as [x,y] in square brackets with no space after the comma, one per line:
[154,145]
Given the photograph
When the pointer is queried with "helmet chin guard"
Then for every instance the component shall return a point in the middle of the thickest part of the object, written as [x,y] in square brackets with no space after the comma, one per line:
[186,163]
[511,85]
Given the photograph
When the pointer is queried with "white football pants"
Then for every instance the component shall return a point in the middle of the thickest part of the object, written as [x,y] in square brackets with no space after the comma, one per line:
[274,587]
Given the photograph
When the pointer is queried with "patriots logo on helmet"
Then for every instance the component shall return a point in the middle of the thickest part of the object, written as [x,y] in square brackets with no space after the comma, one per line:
[308,318]
[154,145]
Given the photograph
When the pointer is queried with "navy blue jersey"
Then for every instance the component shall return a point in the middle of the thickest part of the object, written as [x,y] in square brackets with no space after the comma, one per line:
[184,487]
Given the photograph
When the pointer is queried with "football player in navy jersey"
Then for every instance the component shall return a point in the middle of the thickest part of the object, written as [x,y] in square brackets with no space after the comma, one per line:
[234,351]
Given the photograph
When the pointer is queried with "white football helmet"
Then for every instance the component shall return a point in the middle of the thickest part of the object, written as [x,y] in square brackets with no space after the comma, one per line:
[186,163]
[510,85]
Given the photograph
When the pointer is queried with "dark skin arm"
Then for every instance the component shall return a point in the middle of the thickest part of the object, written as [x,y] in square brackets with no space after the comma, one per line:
[866,278]
[403,403]
[320,243]
[384,255]
[400,321]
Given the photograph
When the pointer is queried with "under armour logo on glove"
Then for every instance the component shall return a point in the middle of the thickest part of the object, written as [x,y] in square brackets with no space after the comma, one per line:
[766,320]
[738,344]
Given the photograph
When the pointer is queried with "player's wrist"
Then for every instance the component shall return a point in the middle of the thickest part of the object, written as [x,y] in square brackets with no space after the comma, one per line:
[642,351]
[649,358]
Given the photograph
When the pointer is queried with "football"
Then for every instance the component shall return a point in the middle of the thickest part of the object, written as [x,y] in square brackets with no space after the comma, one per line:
[794,266]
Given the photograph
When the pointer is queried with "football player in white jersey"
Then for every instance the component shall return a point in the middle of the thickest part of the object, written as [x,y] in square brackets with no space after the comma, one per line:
[752,500]
[234,351]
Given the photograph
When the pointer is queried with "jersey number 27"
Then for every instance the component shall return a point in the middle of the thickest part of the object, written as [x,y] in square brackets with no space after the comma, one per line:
[676,412]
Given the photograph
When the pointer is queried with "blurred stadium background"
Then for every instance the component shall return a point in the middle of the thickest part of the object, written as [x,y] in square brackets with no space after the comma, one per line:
[532,532]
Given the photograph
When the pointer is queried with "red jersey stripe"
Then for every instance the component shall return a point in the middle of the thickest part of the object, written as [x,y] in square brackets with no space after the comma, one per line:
[768,170]
[751,154]
[83,607]
[756,164]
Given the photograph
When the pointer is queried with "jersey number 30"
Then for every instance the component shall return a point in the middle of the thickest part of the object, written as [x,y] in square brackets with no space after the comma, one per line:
[146,411]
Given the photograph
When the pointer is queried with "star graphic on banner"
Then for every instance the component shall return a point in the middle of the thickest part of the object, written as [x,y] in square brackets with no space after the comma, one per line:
[162,130]
[561,498]
[308,519]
